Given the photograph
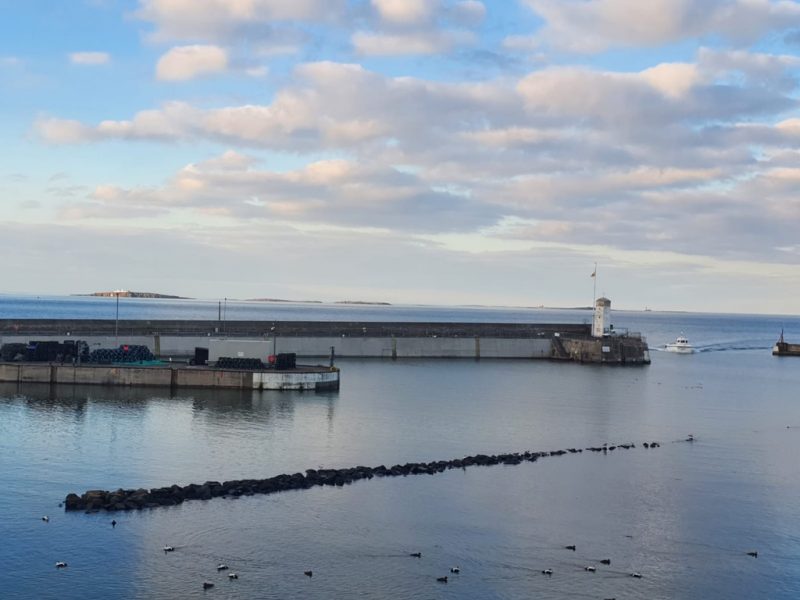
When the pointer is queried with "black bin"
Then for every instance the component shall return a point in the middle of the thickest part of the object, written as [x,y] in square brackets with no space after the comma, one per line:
[200,356]
[286,361]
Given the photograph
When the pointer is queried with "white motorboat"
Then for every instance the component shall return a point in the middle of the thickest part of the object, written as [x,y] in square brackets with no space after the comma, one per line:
[680,346]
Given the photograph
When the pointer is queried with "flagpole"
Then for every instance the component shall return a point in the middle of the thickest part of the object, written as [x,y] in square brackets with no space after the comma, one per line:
[594,285]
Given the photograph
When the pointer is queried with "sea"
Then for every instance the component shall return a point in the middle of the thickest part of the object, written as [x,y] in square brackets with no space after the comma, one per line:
[683,515]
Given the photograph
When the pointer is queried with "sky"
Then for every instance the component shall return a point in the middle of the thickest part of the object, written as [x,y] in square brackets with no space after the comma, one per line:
[407,151]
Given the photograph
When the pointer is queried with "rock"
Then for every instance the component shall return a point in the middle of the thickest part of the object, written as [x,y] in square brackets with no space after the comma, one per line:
[73,502]
[120,499]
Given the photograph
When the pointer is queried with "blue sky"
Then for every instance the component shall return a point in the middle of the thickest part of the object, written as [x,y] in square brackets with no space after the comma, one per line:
[418,151]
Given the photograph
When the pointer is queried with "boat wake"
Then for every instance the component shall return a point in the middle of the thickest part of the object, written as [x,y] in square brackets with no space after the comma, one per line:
[724,347]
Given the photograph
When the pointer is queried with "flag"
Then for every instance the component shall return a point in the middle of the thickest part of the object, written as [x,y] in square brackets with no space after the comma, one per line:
[594,273]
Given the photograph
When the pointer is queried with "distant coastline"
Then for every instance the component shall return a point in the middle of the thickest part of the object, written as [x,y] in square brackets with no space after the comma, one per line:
[359,302]
[284,300]
[129,294]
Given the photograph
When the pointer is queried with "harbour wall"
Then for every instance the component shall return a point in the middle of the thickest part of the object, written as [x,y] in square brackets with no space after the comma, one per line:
[320,347]
[559,341]
[309,339]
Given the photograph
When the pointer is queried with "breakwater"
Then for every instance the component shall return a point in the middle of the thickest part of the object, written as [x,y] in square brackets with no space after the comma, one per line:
[355,339]
[249,329]
[121,500]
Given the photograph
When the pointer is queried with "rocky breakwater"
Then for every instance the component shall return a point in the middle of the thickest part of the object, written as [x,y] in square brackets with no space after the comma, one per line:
[96,500]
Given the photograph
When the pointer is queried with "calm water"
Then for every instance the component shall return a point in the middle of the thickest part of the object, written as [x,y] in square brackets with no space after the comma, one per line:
[682,515]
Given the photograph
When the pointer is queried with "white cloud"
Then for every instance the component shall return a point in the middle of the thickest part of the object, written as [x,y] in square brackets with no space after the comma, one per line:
[406,12]
[336,106]
[188,62]
[620,156]
[63,131]
[386,44]
[90,58]
[673,79]
[192,20]
[330,105]
[259,71]
[595,25]
[468,13]
[419,27]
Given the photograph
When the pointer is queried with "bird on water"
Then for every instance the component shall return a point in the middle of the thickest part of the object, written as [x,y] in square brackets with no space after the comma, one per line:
[590,568]
[168,549]
[442,579]
[572,547]
[46,519]
[606,561]
[547,572]
[233,576]
[207,585]
[455,569]
[753,553]
[308,573]
[114,523]
[61,565]
[221,567]
[416,554]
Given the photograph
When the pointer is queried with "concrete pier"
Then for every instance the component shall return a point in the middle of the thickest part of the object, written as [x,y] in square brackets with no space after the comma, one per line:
[363,339]
[303,378]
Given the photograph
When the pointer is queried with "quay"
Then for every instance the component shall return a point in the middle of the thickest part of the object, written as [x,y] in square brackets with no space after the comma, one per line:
[171,376]
[783,348]
[597,342]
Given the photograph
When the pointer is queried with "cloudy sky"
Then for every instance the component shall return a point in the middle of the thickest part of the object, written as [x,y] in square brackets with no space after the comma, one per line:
[409,151]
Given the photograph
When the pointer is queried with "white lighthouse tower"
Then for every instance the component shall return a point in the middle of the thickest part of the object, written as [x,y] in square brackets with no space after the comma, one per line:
[602,316]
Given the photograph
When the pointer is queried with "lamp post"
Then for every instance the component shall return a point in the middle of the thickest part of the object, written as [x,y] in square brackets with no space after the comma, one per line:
[116,320]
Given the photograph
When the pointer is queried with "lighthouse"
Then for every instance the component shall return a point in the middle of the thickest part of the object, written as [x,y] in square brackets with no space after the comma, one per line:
[602,316]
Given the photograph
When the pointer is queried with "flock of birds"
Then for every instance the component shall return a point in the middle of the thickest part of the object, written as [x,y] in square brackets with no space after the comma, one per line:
[443,579]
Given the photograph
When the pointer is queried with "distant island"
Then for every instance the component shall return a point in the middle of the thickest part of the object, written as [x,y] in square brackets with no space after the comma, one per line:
[319,301]
[129,294]
[282,300]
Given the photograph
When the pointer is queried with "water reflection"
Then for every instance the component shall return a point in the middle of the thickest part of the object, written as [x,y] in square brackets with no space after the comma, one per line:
[221,405]
[218,408]
[67,395]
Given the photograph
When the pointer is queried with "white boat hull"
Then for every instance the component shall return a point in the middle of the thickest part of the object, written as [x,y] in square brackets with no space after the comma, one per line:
[679,349]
